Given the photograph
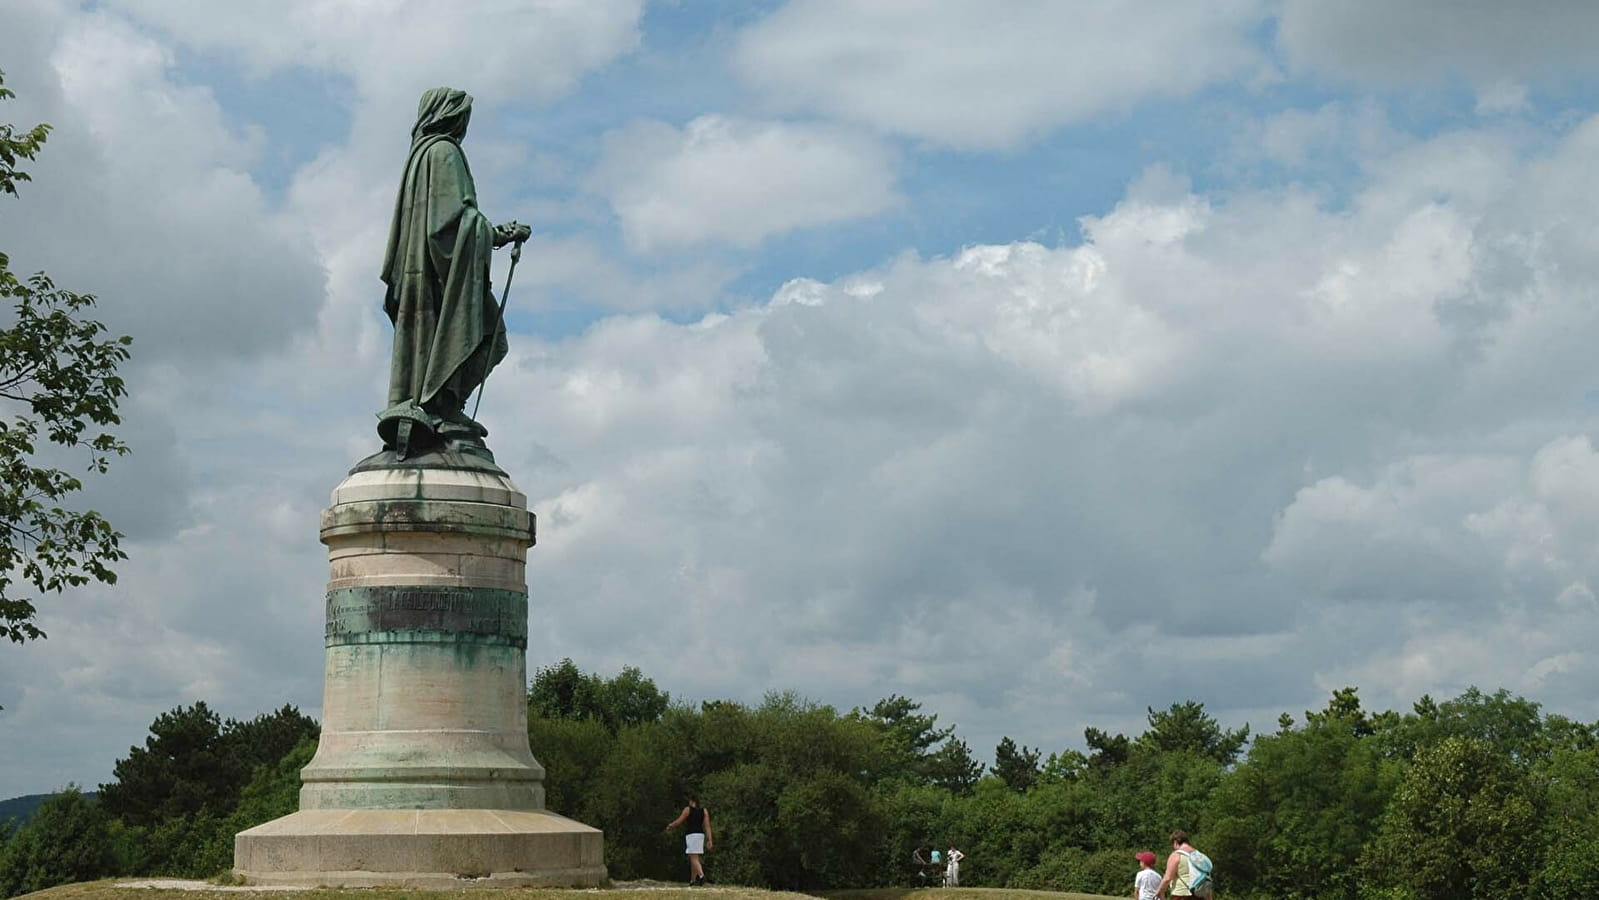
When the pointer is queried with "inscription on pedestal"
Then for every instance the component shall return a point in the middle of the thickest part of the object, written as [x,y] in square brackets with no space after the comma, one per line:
[381,615]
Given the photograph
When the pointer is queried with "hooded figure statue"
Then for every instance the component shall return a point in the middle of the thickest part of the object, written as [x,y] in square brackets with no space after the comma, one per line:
[447,328]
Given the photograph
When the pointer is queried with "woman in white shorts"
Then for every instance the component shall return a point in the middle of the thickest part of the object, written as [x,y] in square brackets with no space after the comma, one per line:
[696,822]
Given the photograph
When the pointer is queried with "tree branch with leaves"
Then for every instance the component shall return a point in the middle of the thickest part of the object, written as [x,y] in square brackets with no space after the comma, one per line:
[58,386]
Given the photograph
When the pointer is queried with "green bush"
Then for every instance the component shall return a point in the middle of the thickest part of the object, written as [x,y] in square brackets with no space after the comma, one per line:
[66,840]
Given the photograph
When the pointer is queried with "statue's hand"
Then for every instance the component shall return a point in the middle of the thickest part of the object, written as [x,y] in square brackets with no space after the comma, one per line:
[511,231]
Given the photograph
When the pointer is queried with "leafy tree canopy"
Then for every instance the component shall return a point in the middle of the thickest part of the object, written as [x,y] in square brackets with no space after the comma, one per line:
[65,841]
[1106,750]
[194,762]
[917,750]
[952,767]
[1016,766]
[58,385]
[1186,726]
[1459,825]
[14,146]
[915,732]
[562,691]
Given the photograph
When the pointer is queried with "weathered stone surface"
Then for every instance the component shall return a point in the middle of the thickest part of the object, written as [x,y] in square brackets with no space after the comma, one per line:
[427,515]
[470,485]
[435,849]
[423,698]
[423,775]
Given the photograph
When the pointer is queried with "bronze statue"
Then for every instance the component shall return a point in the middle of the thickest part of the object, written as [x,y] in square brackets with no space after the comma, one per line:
[448,332]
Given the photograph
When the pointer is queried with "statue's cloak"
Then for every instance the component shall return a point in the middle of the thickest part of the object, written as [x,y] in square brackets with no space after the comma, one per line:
[447,330]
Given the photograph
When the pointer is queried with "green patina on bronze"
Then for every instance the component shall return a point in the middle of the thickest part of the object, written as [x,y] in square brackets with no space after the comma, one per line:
[425,615]
[448,332]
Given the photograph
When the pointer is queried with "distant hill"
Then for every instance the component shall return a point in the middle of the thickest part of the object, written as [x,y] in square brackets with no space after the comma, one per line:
[21,808]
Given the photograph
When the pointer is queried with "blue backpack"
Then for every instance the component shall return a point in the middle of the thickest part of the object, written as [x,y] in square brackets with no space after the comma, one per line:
[1199,870]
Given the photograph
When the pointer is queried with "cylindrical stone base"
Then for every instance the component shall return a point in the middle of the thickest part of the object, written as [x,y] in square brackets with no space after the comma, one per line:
[424,770]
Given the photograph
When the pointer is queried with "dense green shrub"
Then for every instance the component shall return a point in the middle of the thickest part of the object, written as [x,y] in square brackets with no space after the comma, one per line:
[66,840]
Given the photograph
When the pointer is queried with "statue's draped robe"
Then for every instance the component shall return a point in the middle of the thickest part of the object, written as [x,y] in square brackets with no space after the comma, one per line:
[447,333]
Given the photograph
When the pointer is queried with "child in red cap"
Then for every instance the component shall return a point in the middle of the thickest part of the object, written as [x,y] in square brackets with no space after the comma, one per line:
[1147,880]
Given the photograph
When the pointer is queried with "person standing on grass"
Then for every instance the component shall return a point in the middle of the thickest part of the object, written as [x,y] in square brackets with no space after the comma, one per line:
[1181,876]
[1147,881]
[922,864]
[696,822]
[952,869]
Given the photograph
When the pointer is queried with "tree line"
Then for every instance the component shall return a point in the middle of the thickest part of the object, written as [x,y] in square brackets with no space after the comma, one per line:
[1480,795]
[173,805]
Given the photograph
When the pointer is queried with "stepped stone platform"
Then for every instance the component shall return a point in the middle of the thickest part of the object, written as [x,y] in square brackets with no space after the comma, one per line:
[435,849]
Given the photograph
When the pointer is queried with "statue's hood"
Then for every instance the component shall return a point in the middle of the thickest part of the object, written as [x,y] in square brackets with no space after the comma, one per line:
[443,111]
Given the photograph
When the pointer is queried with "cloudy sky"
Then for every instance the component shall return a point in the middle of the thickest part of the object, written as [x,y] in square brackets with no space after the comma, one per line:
[1040,361]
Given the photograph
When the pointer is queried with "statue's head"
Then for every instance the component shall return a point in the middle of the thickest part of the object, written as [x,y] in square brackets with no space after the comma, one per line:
[443,111]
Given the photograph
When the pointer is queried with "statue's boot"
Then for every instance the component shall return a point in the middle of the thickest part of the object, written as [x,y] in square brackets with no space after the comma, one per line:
[457,423]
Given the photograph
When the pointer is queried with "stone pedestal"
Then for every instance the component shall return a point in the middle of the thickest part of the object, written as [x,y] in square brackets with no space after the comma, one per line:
[423,776]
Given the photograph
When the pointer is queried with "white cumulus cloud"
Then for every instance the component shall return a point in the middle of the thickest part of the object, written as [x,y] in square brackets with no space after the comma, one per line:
[398,48]
[736,181]
[989,75]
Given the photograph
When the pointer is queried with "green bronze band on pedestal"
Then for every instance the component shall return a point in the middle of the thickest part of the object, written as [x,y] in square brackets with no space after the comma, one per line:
[422,615]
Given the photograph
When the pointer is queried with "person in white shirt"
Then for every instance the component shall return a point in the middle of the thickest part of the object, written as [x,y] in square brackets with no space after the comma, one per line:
[1147,881]
[952,869]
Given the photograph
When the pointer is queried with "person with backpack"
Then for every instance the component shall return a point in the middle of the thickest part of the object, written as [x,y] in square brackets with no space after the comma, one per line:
[1187,870]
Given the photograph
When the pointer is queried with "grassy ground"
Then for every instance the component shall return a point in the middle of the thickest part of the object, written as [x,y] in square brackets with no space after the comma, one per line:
[110,890]
[960,893]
